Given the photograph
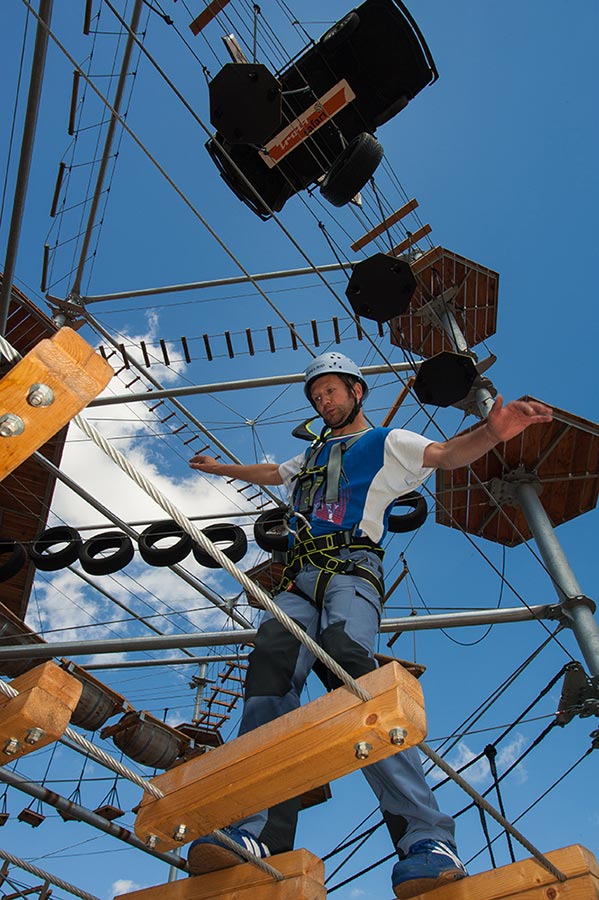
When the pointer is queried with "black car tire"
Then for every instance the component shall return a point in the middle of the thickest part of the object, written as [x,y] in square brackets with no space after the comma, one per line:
[17,557]
[411,520]
[51,562]
[164,556]
[233,534]
[340,32]
[94,564]
[352,169]
[266,529]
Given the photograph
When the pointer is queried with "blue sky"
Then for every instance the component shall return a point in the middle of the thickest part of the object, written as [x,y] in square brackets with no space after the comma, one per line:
[501,155]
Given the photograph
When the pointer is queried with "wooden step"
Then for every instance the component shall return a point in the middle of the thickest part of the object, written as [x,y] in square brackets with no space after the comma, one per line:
[304,880]
[528,880]
[75,373]
[40,713]
[297,752]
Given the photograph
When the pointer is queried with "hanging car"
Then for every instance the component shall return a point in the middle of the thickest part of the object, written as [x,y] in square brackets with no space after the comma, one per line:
[333,96]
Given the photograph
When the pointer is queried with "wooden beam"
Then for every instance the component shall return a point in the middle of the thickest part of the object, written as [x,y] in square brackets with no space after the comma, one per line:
[411,240]
[528,880]
[304,880]
[282,759]
[71,369]
[40,713]
[207,15]
[400,399]
[385,224]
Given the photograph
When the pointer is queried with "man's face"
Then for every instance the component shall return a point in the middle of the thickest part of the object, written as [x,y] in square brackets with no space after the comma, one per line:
[333,399]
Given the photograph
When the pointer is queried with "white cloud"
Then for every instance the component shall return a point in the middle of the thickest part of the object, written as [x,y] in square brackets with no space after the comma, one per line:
[124,886]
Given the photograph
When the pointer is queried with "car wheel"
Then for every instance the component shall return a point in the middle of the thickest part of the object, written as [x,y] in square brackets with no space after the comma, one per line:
[16,558]
[46,561]
[233,535]
[164,556]
[411,520]
[267,529]
[94,564]
[340,32]
[352,169]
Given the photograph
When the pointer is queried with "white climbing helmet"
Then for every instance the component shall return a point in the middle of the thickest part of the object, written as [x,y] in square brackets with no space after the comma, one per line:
[332,364]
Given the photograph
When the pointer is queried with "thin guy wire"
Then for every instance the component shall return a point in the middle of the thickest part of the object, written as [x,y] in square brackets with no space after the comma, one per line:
[480,801]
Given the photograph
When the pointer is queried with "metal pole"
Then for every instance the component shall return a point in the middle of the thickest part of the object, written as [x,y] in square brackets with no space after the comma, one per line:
[29,127]
[199,683]
[85,815]
[246,636]
[577,608]
[116,520]
[114,117]
[270,381]
[171,661]
[219,282]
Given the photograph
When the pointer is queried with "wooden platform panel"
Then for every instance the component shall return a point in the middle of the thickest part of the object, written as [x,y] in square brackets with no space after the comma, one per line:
[46,700]
[304,880]
[75,373]
[528,880]
[283,759]
[436,271]
[563,454]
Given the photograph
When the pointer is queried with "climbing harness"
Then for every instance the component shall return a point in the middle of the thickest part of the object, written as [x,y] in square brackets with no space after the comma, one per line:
[322,551]
[311,477]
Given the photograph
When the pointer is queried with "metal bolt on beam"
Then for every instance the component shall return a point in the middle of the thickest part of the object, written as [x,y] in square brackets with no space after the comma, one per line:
[11,746]
[180,833]
[34,735]
[362,749]
[397,736]
[40,395]
[11,425]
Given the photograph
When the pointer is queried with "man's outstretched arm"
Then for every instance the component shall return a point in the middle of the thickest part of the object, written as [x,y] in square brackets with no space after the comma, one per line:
[502,423]
[256,473]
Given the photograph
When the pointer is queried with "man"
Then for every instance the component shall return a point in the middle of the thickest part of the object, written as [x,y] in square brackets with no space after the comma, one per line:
[342,491]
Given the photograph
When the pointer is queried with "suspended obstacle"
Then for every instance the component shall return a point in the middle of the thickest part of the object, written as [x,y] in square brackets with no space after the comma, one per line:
[40,713]
[303,879]
[337,733]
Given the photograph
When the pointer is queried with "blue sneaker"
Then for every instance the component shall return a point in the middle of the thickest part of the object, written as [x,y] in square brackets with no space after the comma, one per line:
[208,854]
[428,865]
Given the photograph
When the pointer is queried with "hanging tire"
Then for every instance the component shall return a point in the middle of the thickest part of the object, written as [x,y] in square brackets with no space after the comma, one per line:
[352,169]
[59,559]
[340,32]
[94,564]
[164,556]
[17,557]
[232,535]
[411,520]
[267,529]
